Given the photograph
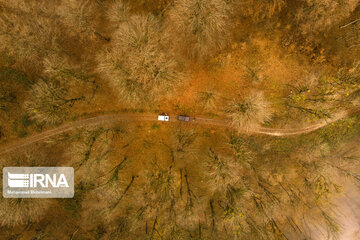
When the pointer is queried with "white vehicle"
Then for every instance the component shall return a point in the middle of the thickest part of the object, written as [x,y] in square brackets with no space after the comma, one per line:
[163,117]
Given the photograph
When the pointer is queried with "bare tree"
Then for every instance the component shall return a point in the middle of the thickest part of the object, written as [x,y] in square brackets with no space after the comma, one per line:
[199,28]
[19,211]
[222,171]
[25,35]
[320,15]
[209,98]
[259,10]
[118,12]
[49,102]
[93,146]
[32,30]
[154,6]
[79,16]
[6,98]
[136,64]
[253,111]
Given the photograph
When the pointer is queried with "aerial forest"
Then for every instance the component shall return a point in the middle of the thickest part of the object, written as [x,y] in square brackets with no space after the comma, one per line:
[272,87]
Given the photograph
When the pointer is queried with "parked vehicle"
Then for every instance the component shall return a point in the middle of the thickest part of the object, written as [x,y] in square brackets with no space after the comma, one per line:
[183,118]
[163,117]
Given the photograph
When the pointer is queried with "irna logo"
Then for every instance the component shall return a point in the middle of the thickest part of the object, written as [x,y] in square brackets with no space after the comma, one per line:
[16,180]
[38,182]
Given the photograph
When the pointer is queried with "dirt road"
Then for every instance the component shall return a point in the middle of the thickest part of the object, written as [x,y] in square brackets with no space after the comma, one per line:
[106,119]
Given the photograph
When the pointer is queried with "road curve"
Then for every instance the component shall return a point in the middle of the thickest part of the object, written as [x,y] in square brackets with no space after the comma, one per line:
[112,118]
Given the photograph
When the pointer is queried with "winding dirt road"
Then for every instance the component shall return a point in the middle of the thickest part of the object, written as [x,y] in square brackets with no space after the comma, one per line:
[106,119]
